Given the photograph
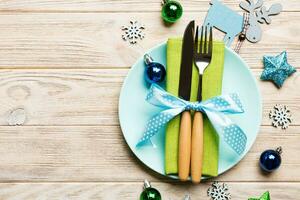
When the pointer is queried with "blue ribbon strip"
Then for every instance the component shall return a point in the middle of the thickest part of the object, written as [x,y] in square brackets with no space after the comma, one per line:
[215,108]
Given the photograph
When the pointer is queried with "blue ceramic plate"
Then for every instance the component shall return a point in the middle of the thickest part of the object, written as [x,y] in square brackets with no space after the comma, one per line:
[134,111]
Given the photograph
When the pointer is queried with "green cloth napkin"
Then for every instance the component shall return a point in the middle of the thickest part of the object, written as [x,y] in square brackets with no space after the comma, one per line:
[212,86]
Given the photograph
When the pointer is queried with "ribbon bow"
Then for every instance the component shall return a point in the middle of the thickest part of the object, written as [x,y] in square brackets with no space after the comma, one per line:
[215,108]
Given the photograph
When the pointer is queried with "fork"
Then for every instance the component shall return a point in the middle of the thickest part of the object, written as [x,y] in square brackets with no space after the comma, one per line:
[202,58]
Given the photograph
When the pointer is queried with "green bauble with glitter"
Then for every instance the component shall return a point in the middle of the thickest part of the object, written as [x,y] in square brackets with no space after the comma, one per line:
[171,11]
[149,192]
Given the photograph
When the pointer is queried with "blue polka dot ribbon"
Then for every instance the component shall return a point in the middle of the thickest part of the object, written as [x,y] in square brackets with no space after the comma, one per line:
[215,108]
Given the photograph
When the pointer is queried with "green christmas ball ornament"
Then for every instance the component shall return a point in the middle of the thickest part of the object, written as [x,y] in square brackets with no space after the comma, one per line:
[171,11]
[149,192]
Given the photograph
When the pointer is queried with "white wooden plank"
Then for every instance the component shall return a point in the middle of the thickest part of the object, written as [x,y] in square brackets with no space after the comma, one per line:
[90,97]
[99,153]
[129,190]
[120,5]
[93,40]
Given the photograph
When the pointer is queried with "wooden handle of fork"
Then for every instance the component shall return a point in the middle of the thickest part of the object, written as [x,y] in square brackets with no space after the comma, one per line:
[184,157]
[197,148]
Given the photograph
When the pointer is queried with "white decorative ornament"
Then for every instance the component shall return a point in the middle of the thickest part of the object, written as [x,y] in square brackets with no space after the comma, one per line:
[258,14]
[187,197]
[280,116]
[219,191]
[17,117]
[133,32]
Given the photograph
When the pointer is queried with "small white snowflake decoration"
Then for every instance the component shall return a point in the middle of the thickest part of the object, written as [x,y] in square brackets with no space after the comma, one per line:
[218,191]
[133,32]
[280,116]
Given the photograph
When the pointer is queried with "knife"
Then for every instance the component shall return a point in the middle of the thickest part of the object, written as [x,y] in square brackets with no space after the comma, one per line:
[185,80]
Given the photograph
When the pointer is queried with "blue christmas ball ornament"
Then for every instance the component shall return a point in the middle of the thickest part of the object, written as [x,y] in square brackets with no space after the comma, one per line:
[155,72]
[270,160]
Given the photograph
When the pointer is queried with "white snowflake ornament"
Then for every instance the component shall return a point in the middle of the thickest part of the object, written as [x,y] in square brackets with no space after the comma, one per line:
[219,191]
[280,116]
[133,32]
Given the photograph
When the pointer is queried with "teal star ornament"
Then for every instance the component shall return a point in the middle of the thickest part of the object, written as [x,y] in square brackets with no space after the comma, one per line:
[265,196]
[277,69]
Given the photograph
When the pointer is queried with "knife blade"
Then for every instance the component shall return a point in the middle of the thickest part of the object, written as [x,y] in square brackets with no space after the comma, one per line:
[186,66]
[185,80]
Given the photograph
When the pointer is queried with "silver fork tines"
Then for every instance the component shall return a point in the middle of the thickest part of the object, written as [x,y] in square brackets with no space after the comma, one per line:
[202,53]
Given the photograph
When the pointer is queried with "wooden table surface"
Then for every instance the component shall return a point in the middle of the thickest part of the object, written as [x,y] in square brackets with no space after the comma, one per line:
[62,66]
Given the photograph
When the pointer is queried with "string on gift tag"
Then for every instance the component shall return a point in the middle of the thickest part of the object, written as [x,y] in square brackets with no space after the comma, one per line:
[242,36]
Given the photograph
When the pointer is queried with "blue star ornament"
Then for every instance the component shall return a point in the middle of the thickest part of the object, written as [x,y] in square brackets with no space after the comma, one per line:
[277,69]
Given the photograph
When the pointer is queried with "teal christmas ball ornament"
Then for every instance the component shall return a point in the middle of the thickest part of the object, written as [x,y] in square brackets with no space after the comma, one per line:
[171,11]
[149,192]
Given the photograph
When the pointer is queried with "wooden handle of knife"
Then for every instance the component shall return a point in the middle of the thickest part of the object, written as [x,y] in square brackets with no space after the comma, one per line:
[197,148]
[184,159]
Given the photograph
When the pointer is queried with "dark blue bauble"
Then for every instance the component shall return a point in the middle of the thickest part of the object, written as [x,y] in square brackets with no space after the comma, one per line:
[270,160]
[155,73]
